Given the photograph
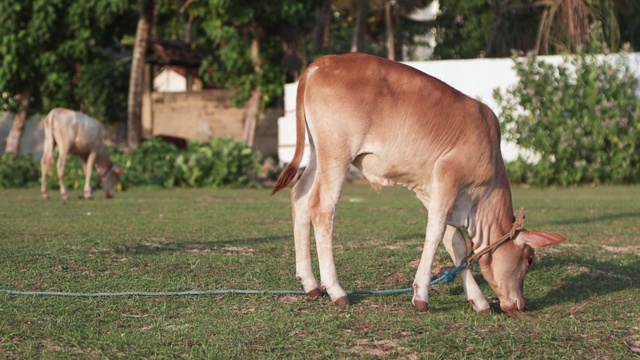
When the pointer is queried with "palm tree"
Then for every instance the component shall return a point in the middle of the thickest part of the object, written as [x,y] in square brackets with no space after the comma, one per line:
[565,25]
[134,113]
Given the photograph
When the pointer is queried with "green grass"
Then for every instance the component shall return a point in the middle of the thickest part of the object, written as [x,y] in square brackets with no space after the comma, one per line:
[584,294]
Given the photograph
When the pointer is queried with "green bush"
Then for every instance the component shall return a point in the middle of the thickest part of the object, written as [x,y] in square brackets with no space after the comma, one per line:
[580,117]
[223,162]
[151,163]
[219,163]
[17,170]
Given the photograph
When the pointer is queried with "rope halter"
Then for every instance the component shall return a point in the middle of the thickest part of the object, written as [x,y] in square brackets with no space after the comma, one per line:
[518,225]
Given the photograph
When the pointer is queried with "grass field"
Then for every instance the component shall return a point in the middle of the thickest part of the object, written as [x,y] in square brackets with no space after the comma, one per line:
[584,295]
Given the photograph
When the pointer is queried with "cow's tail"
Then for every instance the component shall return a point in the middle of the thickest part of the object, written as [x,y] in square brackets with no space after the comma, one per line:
[49,143]
[290,172]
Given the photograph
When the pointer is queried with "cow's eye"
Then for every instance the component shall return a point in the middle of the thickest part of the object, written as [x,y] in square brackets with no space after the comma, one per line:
[530,260]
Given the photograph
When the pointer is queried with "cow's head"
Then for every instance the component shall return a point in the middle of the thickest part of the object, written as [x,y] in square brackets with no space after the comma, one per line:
[109,180]
[505,267]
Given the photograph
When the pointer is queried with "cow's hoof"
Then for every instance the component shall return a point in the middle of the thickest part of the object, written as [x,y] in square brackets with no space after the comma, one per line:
[45,196]
[421,305]
[477,309]
[343,301]
[315,293]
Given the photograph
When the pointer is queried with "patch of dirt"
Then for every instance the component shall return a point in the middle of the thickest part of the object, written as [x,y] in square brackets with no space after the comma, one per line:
[365,243]
[375,348]
[50,345]
[574,309]
[192,248]
[622,249]
[176,327]
[147,246]
[610,275]
[576,270]
[242,250]
[289,298]
[633,341]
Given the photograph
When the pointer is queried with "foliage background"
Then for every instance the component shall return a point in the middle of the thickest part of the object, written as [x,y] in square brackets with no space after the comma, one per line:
[580,118]
[223,162]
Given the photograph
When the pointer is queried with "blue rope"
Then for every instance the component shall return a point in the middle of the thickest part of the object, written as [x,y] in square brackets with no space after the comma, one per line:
[447,276]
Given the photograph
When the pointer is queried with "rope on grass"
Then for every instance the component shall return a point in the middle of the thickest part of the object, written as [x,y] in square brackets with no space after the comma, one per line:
[447,277]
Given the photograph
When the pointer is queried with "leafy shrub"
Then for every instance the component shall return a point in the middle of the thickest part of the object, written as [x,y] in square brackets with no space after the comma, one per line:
[17,170]
[580,117]
[151,163]
[220,163]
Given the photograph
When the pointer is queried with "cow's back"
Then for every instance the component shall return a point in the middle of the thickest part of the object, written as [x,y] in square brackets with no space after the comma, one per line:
[406,119]
[80,133]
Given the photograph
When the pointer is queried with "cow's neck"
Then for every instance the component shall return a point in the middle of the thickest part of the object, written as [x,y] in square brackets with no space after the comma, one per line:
[494,215]
[103,164]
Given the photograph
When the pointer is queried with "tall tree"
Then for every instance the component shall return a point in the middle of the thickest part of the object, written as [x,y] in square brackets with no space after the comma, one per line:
[391,49]
[255,42]
[136,82]
[45,46]
[380,27]
[361,15]
[322,28]
[472,28]
[565,25]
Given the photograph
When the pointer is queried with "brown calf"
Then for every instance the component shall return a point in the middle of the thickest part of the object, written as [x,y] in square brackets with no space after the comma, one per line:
[401,126]
[77,134]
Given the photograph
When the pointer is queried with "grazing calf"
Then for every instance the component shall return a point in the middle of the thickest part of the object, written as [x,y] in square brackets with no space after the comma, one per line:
[77,134]
[401,126]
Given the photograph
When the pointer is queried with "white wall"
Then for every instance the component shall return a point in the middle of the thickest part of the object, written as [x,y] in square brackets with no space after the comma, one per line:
[169,80]
[475,77]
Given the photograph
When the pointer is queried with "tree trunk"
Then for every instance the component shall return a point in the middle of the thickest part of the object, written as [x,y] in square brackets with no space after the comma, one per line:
[252,106]
[357,39]
[499,9]
[322,28]
[295,56]
[391,48]
[252,109]
[136,81]
[19,120]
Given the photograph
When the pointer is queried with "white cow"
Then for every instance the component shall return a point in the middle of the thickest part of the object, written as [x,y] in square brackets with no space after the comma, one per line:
[77,134]
[401,126]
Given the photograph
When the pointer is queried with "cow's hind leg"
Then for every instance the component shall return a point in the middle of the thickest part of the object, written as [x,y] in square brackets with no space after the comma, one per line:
[456,247]
[302,229]
[62,160]
[323,200]
[45,168]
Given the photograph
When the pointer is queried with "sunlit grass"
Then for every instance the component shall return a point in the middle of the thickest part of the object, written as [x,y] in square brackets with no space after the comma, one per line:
[584,294]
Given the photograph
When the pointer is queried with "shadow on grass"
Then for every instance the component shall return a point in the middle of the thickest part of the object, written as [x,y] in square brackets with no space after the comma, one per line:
[583,278]
[196,246]
[599,218]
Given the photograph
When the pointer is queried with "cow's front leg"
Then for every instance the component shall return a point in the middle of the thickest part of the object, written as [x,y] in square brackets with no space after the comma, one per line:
[88,167]
[421,283]
[439,207]
[456,247]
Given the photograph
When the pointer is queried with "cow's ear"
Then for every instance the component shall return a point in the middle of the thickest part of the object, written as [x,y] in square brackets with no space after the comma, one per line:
[119,170]
[537,239]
